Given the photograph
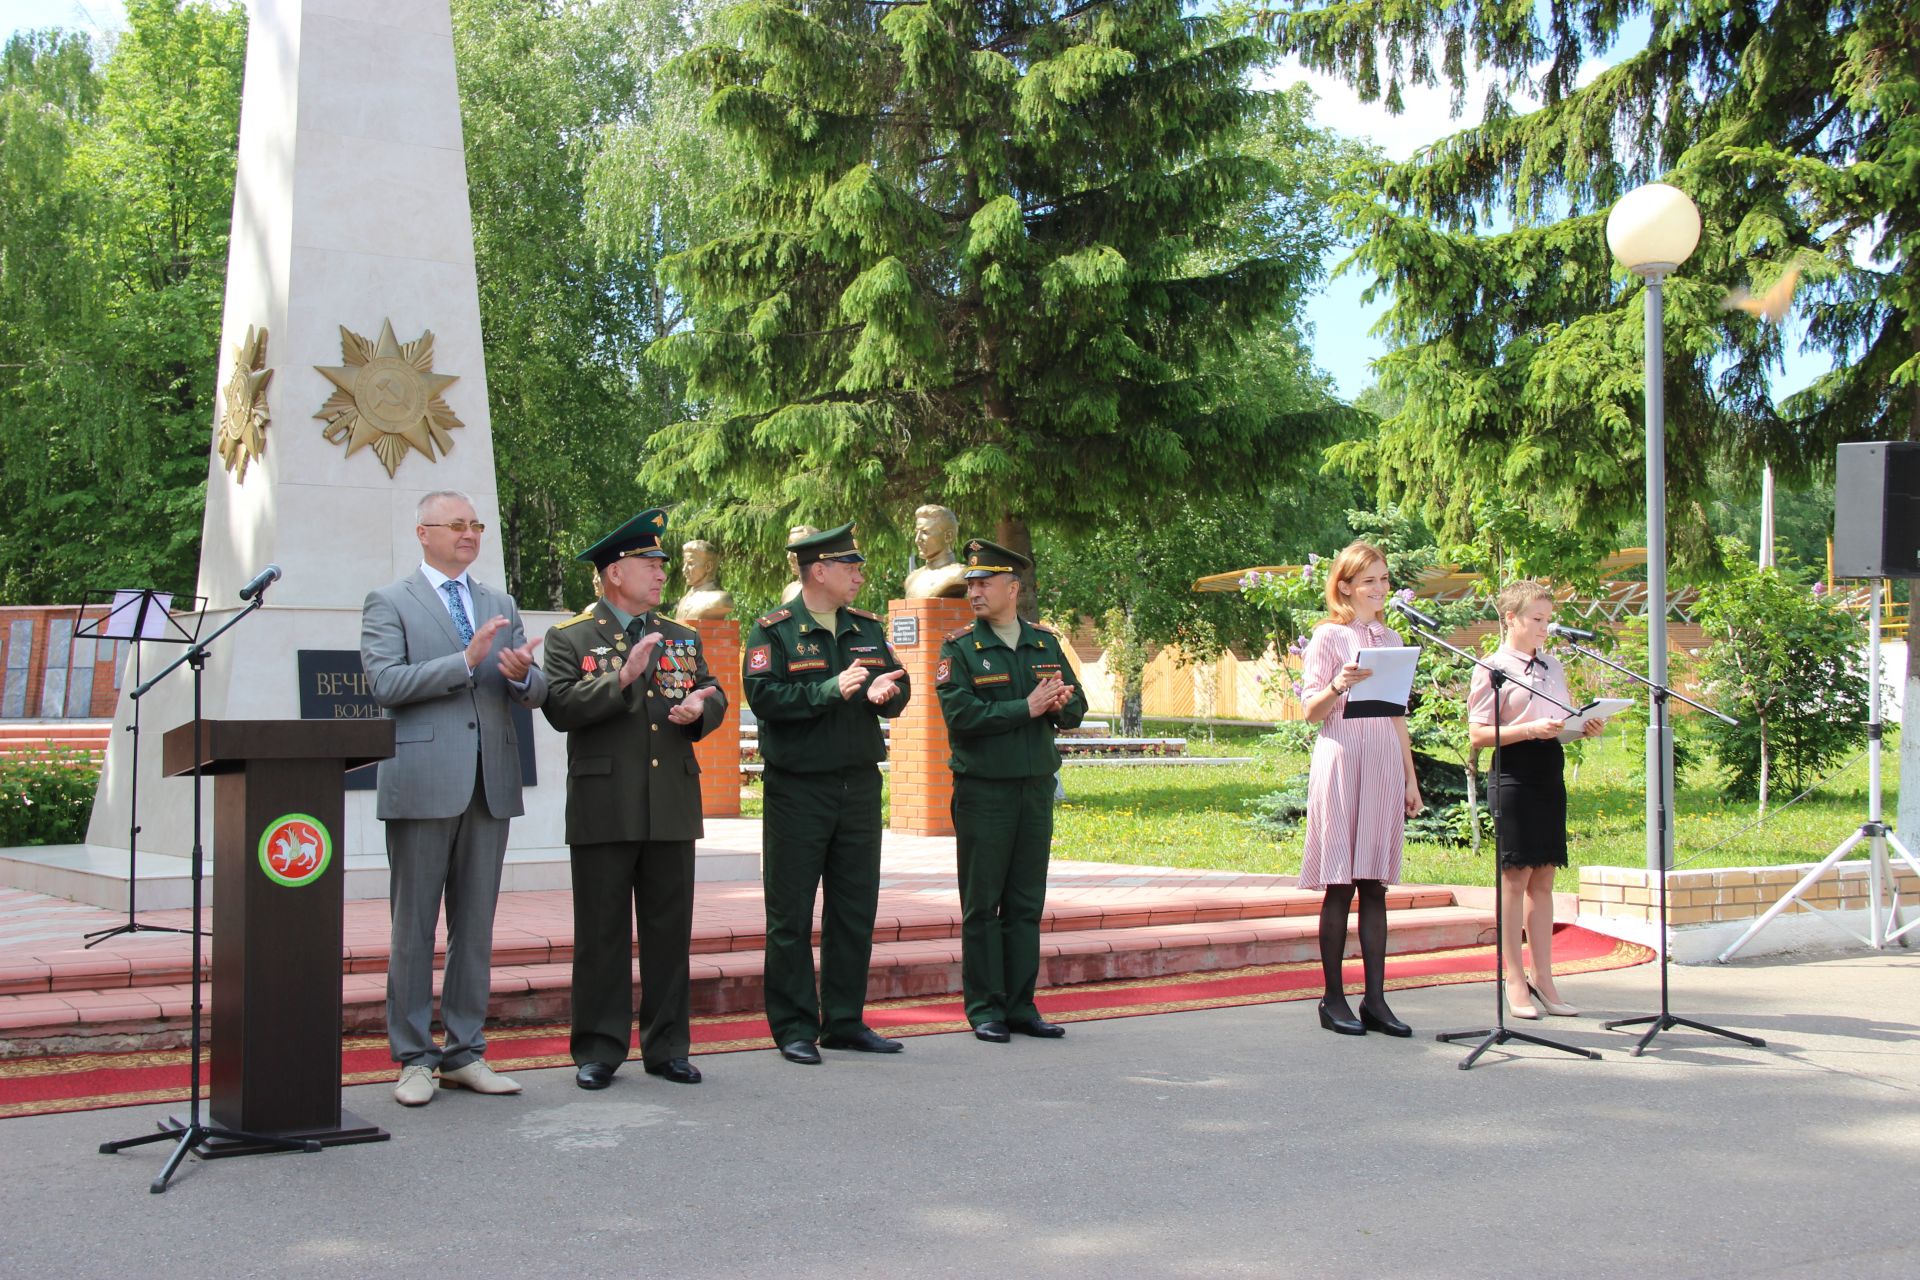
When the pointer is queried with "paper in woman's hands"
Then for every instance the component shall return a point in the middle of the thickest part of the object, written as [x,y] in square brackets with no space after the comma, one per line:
[1386,691]
[1601,709]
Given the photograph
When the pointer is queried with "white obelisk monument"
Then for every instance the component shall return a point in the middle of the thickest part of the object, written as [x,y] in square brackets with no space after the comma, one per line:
[350,213]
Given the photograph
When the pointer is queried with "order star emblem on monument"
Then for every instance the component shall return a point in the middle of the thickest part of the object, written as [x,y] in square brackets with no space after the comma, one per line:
[388,396]
[243,405]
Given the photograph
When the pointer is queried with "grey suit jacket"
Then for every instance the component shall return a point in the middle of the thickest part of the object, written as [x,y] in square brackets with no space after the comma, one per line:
[443,716]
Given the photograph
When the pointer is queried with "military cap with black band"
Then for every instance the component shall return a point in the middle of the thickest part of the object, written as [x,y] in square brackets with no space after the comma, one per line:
[639,536]
[836,545]
[984,559]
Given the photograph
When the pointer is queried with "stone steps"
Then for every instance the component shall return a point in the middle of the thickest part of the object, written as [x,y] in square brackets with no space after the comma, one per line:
[104,1001]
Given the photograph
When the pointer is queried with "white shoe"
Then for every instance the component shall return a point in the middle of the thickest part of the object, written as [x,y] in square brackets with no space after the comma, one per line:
[415,1086]
[479,1077]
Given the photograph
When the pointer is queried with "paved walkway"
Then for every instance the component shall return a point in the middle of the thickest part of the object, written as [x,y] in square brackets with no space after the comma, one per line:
[1233,1142]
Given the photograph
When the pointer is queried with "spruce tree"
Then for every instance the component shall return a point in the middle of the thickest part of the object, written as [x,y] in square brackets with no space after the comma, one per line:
[1517,355]
[985,262]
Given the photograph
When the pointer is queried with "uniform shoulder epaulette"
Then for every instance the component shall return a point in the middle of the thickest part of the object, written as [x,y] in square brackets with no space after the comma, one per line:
[862,613]
[582,616]
[670,625]
[1047,627]
[959,632]
[778,615]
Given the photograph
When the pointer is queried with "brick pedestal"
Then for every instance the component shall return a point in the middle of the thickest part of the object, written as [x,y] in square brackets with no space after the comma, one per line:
[920,786]
[719,752]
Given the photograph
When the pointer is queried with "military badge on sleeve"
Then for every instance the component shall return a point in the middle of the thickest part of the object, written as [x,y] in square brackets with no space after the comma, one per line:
[759,658]
[941,672]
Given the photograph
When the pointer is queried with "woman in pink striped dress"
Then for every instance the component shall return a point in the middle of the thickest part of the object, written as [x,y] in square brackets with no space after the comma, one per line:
[1360,791]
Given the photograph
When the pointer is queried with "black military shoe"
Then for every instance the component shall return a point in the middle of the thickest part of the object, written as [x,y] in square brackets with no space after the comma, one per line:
[678,1070]
[992,1032]
[801,1051]
[593,1075]
[865,1040]
[1038,1027]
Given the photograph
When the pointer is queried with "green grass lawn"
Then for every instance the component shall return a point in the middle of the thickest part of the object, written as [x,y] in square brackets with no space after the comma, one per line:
[1198,817]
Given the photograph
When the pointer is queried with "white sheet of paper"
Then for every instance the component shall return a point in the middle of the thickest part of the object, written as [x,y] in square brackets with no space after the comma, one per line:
[120,622]
[1603,709]
[1392,678]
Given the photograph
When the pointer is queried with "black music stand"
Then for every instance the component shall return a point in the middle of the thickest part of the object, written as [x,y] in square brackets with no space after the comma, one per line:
[136,614]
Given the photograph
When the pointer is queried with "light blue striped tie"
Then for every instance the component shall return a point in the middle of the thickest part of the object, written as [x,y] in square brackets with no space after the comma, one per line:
[461,622]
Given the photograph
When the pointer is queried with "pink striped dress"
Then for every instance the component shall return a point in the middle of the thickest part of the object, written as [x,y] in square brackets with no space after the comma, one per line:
[1356,787]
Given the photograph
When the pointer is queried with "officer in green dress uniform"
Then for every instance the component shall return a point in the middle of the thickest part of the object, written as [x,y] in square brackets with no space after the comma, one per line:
[1004,690]
[818,675]
[631,691]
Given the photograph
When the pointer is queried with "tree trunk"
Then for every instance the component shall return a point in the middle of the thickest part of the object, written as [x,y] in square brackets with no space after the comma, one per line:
[1012,533]
[516,585]
[556,577]
[1130,704]
[1764,763]
[1473,805]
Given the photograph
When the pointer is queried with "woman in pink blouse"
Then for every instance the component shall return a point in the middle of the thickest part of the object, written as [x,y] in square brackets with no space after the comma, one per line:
[1528,789]
[1360,791]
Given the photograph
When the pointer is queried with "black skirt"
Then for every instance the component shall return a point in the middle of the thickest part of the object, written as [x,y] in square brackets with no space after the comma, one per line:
[1528,793]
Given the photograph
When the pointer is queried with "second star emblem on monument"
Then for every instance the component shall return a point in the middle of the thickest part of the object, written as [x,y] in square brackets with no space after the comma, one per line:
[388,396]
[243,405]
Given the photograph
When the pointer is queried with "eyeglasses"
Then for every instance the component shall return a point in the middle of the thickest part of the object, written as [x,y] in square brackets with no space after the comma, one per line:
[458,526]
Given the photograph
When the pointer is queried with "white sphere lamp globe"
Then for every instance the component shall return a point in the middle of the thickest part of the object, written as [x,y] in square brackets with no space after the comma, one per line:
[1653,229]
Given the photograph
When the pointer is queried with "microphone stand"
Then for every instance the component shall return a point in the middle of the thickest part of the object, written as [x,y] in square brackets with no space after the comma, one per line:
[1665,1019]
[1499,1032]
[193,1133]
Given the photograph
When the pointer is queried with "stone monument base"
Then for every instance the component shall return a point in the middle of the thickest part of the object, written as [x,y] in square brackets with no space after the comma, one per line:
[920,785]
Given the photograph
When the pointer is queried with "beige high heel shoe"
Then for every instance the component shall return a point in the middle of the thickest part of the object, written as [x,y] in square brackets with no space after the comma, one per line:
[1554,1007]
[1515,1009]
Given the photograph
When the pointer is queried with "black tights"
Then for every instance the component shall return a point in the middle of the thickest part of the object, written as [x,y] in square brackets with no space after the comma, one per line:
[1373,939]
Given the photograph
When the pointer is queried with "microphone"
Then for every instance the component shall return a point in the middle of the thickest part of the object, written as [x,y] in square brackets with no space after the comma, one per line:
[1403,606]
[261,581]
[1571,633]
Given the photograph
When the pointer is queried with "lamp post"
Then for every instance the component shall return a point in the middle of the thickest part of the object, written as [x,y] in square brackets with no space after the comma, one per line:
[1651,231]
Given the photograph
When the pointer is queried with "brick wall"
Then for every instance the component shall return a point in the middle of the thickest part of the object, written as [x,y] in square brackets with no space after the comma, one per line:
[920,786]
[719,752]
[46,672]
[1712,896]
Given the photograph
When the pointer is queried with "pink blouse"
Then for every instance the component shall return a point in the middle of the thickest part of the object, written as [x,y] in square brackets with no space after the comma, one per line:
[1526,674]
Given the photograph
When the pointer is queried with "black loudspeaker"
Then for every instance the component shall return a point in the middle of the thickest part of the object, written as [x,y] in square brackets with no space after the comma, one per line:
[1876,510]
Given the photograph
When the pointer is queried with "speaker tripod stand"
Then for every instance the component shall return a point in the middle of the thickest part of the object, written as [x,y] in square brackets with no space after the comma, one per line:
[1883,927]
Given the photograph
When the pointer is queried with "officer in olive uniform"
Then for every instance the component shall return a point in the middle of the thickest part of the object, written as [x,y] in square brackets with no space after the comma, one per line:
[818,674]
[1004,690]
[631,691]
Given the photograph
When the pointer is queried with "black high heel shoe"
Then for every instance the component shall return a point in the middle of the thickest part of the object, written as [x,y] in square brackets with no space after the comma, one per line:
[1385,1023]
[1347,1026]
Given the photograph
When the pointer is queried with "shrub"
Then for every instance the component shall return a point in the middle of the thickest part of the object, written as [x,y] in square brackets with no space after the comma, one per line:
[46,799]
[1446,820]
[1786,663]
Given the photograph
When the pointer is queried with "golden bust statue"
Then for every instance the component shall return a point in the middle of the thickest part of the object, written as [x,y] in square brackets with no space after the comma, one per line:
[794,535]
[705,598]
[935,531]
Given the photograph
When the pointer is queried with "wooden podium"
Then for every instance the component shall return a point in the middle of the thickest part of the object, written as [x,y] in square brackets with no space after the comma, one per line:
[279,806]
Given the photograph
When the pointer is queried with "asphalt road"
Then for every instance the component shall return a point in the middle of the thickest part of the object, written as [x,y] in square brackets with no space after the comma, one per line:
[1234,1142]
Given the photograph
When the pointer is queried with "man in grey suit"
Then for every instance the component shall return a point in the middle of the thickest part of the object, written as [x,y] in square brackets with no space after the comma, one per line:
[444,654]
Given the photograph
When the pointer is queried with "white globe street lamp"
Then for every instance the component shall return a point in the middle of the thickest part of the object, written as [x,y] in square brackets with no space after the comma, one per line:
[1651,231]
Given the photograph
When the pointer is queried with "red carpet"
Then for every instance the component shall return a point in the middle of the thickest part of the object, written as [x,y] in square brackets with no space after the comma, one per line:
[86,1081]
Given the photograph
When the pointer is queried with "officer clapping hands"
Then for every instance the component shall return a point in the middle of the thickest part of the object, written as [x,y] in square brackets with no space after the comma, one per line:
[1049,695]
